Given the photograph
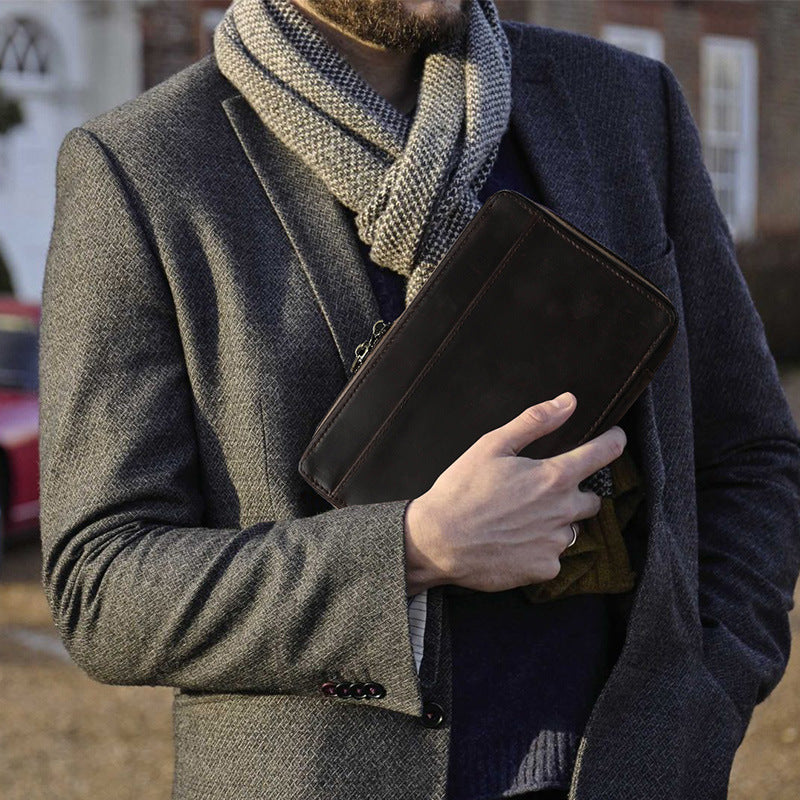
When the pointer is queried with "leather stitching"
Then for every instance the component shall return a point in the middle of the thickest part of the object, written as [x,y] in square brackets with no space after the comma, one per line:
[379,353]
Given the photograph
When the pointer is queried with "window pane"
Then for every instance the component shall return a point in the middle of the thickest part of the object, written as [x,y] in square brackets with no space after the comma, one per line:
[25,46]
[728,105]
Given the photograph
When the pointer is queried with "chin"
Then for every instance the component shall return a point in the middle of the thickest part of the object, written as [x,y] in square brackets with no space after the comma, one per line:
[396,24]
[434,8]
[427,6]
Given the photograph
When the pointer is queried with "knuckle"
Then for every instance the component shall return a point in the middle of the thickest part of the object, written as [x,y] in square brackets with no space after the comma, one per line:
[589,501]
[488,443]
[538,473]
[615,447]
[545,475]
[572,507]
[484,440]
[557,476]
[535,415]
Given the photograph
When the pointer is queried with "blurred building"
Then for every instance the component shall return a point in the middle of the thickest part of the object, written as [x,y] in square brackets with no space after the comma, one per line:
[737,60]
[64,61]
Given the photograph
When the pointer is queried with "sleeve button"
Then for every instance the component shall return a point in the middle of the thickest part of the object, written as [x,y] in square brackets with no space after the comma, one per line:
[343,689]
[358,691]
[328,688]
[432,714]
[375,690]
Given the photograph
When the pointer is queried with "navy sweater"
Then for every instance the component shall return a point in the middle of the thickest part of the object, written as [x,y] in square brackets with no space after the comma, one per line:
[525,675]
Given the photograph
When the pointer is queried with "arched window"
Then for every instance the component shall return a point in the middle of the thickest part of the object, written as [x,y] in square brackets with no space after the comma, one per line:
[25,47]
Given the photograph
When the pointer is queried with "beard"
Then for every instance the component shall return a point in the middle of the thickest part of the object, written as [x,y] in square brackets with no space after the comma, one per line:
[388,23]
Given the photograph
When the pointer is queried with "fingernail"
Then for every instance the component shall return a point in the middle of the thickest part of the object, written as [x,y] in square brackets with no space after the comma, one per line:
[563,400]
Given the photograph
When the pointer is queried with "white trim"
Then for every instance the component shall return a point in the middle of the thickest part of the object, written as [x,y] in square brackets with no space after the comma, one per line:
[645,41]
[211,17]
[14,82]
[417,617]
[742,54]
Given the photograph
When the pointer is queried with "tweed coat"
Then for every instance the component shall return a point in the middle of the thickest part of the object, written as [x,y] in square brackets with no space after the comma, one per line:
[203,297]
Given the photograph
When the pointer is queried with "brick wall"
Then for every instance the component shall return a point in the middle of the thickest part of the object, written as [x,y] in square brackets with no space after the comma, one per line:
[771,261]
[168,43]
[771,266]
[779,118]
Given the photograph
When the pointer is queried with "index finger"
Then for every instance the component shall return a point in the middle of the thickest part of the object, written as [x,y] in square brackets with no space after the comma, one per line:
[585,459]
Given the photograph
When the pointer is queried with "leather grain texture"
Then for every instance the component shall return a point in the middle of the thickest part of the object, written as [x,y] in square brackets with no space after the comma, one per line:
[523,307]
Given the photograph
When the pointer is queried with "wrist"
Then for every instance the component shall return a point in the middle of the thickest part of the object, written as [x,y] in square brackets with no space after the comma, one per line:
[421,571]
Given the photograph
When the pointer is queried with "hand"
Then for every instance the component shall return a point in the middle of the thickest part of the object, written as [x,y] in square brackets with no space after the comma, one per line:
[492,520]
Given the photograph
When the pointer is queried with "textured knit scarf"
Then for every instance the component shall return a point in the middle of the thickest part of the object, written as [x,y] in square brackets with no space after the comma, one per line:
[412,184]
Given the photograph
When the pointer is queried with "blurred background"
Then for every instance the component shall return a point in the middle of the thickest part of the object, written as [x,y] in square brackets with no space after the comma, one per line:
[64,61]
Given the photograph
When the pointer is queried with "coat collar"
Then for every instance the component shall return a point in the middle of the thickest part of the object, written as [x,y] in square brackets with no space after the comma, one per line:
[546,121]
[318,228]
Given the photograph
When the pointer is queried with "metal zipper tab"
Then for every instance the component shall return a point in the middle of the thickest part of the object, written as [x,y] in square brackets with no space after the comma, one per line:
[363,350]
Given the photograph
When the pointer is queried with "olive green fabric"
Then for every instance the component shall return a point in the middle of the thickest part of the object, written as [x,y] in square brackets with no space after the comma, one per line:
[598,561]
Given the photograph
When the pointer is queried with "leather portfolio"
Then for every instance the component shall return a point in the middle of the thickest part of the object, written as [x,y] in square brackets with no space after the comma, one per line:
[524,306]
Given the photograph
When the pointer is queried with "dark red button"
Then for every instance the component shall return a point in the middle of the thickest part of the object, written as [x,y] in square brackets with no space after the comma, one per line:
[375,690]
[343,689]
[432,714]
[328,688]
[358,691]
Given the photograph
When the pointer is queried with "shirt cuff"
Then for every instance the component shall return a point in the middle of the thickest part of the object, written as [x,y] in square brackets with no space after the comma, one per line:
[417,613]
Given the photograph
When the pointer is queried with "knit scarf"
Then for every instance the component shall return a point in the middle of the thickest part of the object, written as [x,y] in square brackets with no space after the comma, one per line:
[411,183]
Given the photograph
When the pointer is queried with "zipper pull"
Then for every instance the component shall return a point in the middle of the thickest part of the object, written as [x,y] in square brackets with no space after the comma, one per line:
[363,350]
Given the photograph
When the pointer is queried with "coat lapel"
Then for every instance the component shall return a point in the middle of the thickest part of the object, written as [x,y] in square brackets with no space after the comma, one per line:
[544,118]
[318,228]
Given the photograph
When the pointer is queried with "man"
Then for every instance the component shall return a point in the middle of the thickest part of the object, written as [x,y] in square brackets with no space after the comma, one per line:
[221,245]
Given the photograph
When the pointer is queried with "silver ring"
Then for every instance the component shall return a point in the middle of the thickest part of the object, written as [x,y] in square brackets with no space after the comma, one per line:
[574,527]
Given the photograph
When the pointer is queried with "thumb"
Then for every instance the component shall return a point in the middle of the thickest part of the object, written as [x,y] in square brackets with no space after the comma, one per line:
[533,423]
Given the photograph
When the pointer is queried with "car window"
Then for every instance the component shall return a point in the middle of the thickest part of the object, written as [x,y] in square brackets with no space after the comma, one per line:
[19,347]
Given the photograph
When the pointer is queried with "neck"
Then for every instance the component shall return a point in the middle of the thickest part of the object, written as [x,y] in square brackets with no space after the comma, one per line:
[393,74]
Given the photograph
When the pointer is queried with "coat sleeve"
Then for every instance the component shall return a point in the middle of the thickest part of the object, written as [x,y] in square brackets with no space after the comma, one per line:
[747,446]
[140,590]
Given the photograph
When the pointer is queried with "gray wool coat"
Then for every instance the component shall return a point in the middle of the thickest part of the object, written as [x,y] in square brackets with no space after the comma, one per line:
[203,298]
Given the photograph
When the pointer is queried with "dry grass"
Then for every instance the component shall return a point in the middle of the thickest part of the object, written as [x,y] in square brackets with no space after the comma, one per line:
[62,735]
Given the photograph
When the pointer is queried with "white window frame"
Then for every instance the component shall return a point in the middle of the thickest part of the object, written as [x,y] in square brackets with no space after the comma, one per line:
[744,180]
[28,81]
[209,19]
[645,41]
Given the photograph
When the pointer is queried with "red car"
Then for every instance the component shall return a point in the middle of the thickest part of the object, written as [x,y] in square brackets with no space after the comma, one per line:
[19,418]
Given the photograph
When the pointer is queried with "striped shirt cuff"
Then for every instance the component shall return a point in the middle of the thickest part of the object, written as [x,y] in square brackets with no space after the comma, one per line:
[417,613]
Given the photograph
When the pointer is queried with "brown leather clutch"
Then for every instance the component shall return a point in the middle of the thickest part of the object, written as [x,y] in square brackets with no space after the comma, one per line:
[523,307]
